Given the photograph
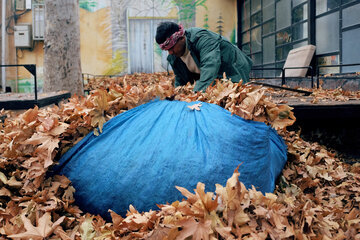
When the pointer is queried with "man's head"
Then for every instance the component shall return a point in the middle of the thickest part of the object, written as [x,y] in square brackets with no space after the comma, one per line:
[170,37]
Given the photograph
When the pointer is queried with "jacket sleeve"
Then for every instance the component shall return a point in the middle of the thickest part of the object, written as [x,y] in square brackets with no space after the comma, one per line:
[178,80]
[210,60]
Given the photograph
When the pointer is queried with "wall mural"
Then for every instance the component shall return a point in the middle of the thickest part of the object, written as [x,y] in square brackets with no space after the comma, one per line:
[132,44]
[187,11]
[93,5]
[106,26]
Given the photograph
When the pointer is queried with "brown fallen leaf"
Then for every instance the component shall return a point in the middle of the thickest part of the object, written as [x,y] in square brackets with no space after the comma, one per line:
[43,230]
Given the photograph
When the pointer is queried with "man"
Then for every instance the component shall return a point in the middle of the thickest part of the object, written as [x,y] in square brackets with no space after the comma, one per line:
[200,55]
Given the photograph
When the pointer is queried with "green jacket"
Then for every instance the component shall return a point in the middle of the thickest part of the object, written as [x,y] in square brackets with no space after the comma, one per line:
[214,55]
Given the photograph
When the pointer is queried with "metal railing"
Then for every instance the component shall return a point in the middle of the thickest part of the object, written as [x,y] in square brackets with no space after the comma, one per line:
[31,68]
[283,71]
[328,66]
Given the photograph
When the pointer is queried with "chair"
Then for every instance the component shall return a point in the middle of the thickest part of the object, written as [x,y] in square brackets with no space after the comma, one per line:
[298,61]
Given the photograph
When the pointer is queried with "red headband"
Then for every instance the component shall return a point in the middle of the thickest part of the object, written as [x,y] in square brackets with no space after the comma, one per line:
[172,40]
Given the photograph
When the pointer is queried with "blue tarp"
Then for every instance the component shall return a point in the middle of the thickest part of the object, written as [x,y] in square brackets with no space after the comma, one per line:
[145,152]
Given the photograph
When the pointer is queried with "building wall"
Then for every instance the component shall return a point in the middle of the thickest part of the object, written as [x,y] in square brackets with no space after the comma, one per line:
[95,47]
[104,33]
[216,11]
[95,40]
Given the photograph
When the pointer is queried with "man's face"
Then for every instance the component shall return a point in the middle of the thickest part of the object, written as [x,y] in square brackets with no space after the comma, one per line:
[178,49]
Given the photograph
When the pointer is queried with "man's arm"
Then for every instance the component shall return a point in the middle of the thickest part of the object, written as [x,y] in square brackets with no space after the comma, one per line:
[208,46]
[179,68]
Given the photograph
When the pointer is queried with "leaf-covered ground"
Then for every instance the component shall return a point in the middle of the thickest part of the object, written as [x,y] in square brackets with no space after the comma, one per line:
[317,196]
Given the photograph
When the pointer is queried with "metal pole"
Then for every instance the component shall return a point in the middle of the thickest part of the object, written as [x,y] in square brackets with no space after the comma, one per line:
[312,76]
[3,46]
[283,76]
[36,96]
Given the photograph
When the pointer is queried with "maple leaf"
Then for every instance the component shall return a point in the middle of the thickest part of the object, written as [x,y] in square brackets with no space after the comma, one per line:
[30,115]
[46,144]
[116,219]
[5,192]
[281,116]
[44,229]
[196,106]
[12,182]
[191,198]
[252,99]
[207,200]
[199,230]
[87,230]
[98,113]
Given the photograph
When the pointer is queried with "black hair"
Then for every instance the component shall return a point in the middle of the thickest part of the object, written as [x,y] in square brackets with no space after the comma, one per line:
[165,30]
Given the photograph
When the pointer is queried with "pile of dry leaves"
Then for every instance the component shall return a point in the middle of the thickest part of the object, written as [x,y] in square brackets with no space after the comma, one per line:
[316,198]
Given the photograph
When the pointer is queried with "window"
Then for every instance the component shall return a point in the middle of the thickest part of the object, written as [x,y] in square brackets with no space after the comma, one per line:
[246,37]
[268,10]
[297,2]
[300,31]
[256,19]
[269,73]
[256,40]
[245,13]
[246,48]
[269,49]
[347,1]
[255,6]
[283,14]
[328,60]
[269,27]
[257,58]
[300,44]
[349,43]
[327,33]
[283,37]
[326,5]
[351,16]
[282,52]
[299,13]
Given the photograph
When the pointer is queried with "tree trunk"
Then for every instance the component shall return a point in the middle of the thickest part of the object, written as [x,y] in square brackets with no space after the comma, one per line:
[62,64]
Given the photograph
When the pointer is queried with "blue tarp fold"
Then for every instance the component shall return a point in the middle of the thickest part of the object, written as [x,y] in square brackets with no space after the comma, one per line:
[145,152]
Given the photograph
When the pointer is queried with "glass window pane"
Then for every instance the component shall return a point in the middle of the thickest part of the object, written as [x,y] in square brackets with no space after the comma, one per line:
[268,9]
[245,15]
[347,1]
[269,27]
[282,52]
[351,15]
[255,6]
[328,60]
[326,5]
[246,48]
[327,34]
[283,14]
[256,40]
[257,58]
[299,13]
[255,19]
[283,37]
[300,44]
[269,73]
[287,49]
[349,43]
[269,49]
[279,54]
[279,65]
[246,37]
[300,31]
[297,2]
